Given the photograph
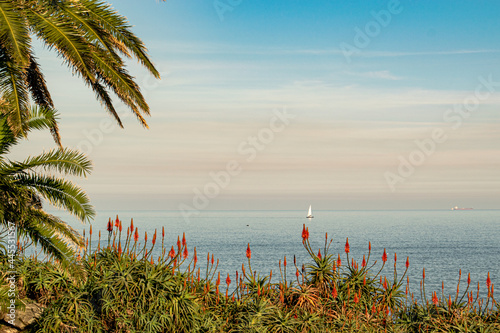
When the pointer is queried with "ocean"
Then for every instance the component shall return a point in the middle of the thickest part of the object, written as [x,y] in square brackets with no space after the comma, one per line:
[442,242]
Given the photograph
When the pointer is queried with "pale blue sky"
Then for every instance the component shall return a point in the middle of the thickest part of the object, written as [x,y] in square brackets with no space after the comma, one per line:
[355,118]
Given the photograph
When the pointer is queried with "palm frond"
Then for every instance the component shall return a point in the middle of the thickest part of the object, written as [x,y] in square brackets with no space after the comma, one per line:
[123,85]
[103,97]
[14,35]
[118,26]
[64,160]
[38,228]
[59,34]
[60,193]
[14,91]
[7,138]
[37,85]
[42,117]
[93,32]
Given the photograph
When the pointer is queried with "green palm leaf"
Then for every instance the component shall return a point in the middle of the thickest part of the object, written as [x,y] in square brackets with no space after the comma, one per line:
[63,160]
[14,35]
[60,193]
[14,91]
[118,26]
[39,227]
[59,34]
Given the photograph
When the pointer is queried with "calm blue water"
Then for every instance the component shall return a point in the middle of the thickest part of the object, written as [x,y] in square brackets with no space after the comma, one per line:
[441,241]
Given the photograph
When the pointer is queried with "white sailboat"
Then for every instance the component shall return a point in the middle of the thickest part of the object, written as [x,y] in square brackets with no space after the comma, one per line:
[309,213]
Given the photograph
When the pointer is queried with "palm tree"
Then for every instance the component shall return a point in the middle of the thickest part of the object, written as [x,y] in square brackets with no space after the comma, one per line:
[91,38]
[22,188]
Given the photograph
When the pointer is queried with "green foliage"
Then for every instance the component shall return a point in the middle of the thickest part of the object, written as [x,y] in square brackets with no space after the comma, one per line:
[124,289]
[23,187]
[88,35]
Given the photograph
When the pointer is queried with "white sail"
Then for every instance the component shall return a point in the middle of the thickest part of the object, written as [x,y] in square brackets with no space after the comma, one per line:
[309,213]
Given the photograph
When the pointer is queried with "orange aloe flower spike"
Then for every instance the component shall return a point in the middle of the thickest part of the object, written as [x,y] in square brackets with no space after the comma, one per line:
[384,256]
[347,247]
[249,252]
[154,238]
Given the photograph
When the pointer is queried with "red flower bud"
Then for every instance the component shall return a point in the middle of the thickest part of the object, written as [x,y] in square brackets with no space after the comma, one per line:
[154,238]
[297,273]
[136,235]
[183,239]
[488,281]
[305,233]
[90,232]
[435,299]
[284,262]
[339,262]
[131,225]
[363,263]
[395,257]
[468,280]
[423,273]
[146,236]
[228,280]
[185,254]
[117,221]
[195,257]
[110,225]
[334,292]
[120,226]
[249,252]
[347,248]
[319,253]
[384,256]
[407,262]
[171,254]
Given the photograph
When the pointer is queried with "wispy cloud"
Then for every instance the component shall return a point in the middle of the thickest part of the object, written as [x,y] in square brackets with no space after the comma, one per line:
[385,75]
[221,48]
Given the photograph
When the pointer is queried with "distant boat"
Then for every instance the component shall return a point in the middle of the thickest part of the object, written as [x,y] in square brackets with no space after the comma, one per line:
[309,213]
[459,208]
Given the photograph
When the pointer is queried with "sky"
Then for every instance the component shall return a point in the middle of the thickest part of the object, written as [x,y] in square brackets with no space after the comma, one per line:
[285,103]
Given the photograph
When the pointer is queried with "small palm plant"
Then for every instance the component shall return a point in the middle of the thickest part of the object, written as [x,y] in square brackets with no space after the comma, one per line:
[23,187]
